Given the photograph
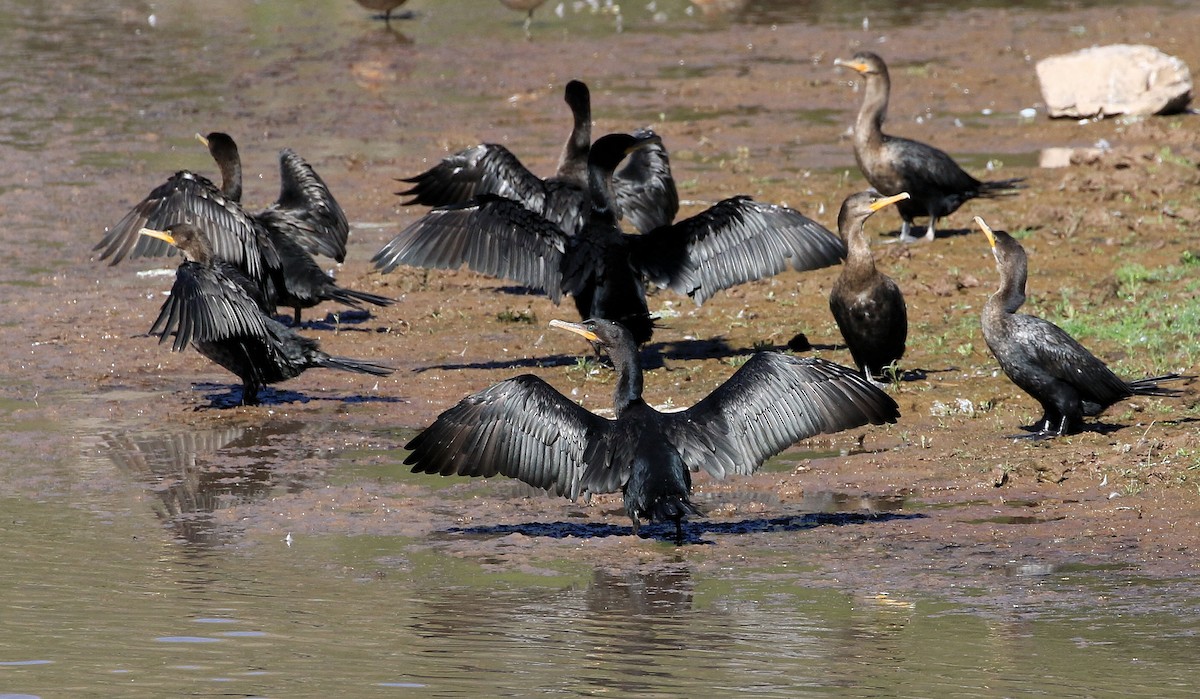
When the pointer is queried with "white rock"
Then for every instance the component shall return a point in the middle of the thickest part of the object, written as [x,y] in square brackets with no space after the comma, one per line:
[1117,79]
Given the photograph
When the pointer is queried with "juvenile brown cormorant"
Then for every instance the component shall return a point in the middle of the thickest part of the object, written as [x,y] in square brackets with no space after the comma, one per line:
[525,429]
[867,304]
[936,185]
[603,269]
[1042,359]
[215,307]
[644,189]
[271,246]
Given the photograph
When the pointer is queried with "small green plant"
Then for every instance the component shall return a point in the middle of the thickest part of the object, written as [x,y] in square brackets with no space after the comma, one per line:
[525,317]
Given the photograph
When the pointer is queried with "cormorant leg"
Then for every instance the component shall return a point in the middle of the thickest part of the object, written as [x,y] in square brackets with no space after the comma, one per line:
[929,232]
[679,531]
[635,525]
[296,320]
[249,393]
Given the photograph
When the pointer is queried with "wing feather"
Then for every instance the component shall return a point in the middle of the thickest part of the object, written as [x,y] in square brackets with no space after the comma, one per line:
[491,235]
[771,402]
[521,428]
[734,241]
[306,210]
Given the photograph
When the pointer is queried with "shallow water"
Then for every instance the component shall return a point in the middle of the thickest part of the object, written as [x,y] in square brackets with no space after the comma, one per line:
[151,555]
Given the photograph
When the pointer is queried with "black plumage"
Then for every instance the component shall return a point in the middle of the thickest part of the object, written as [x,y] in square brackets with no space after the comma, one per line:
[1042,359]
[216,308]
[271,246]
[644,189]
[605,270]
[936,184]
[525,429]
[867,304]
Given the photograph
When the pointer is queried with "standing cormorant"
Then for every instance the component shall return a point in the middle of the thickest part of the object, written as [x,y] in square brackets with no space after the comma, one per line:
[271,246]
[936,185]
[644,189]
[215,307]
[867,304]
[526,6]
[1042,359]
[384,6]
[525,429]
[603,269]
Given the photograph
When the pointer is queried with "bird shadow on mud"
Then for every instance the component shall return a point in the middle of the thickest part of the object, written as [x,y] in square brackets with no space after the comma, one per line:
[653,356]
[223,396]
[693,531]
[1032,433]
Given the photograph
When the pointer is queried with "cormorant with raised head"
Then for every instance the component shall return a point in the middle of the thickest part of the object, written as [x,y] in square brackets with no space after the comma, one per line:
[525,429]
[936,185]
[604,270]
[644,189]
[867,304]
[1042,359]
[216,308]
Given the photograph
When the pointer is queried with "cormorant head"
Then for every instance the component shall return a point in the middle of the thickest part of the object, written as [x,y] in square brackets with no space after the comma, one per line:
[604,334]
[578,97]
[220,145]
[864,63]
[858,207]
[1005,248]
[608,151]
[190,240]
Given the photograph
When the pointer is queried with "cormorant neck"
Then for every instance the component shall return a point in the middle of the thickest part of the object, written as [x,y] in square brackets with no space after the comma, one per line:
[1014,272]
[858,249]
[629,377]
[231,175]
[572,164]
[600,190]
[868,127]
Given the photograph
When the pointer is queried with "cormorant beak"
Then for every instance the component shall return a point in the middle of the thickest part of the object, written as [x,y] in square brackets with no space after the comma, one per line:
[986,231]
[576,328]
[202,140]
[880,203]
[161,235]
[852,65]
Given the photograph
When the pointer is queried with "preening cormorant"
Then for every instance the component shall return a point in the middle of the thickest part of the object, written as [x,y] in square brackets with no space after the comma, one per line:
[867,304]
[525,429]
[936,185]
[271,246]
[603,269]
[1042,359]
[215,307]
[644,188]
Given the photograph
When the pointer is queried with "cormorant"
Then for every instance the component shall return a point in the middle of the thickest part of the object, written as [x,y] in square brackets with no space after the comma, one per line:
[384,6]
[214,306]
[867,304]
[605,270]
[271,246]
[645,191]
[525,429]
[1042,359]
[937,186]
[526,6]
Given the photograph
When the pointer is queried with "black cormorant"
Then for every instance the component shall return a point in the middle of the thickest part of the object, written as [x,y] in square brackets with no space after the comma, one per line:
[605,270]
[1042,359]
[215,307]
[525,429]
[271,246]
[644,188]
[936,185]
[867,304]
